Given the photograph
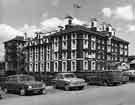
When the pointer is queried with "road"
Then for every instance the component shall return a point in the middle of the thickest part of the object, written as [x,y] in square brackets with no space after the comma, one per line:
[98,95]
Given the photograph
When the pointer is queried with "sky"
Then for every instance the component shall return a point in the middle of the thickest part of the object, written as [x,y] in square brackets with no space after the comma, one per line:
[19,16]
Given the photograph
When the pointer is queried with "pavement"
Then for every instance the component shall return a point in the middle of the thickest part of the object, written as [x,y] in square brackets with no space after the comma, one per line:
[92,95]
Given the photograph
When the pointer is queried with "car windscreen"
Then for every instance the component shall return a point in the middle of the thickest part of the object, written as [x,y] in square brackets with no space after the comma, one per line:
[26,78]
[69,76]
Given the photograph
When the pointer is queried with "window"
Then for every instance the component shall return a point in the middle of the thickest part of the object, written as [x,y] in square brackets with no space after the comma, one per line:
[64,66]
[64,55]
[109,41]
[56,46]
[73,44]
[93,45]
[41,67]
[64,45]
[93,38]
[93,65]
[41,53]
[108,48]
[85,36]
[85,43]
[108,57]
[85,54]
[64,37]
[73,55]
[48,56]
[56,56]
[31,68]
[36,67]
[73,36]
[55,66]
[99,46]
[48,67]
[13,79]
[73,66]
[85,65]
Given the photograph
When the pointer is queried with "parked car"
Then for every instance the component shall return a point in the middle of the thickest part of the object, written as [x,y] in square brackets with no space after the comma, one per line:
[105,77]
[130,74]
[125,78]
[24,84]
[68,81]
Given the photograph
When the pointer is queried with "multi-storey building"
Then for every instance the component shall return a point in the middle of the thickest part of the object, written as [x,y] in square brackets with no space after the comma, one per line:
[75,49]
[14,57]
[2,68]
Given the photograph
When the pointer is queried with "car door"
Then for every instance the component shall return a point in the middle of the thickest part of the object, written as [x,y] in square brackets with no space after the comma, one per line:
[11,83]
[14,84]
[60,81]
[8,83]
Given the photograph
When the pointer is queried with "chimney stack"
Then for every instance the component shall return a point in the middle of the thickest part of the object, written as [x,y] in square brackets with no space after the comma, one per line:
[94,24]
[109,28]
[60,28]
[25,36]
[113,31]
[69,18]
[103,26]
[69,22]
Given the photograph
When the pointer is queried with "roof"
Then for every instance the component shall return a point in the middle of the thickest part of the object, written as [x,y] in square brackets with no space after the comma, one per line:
[18,75]
[119,39]
[76,28]
[17,38]
[83,28]
[65,73]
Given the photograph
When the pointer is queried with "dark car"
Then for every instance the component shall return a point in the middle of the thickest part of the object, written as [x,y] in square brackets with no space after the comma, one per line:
[67,81]
[24,84]
[106,77]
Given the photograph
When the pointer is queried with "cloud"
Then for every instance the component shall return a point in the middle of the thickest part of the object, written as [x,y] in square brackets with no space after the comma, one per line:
[10,2]
[53,23]
[6,33]
[107,12]
[55,3]
[45,15]
[29,29]
[131,28]
[122,12]
[78,22]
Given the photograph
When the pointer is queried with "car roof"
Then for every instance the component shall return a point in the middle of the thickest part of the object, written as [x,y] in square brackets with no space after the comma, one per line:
[18,75]
[64,73]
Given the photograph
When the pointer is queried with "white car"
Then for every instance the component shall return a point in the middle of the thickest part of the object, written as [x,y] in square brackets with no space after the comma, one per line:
[68,81]
[129,73]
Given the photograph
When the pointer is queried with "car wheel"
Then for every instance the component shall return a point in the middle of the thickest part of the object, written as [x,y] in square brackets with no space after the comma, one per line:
[43,91]
[1,96]
[105,83]
[5,90]
[67,88]
[81,88]
[22,92]
[54,86]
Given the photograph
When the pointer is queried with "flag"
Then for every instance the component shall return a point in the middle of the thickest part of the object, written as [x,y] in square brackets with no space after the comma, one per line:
[76,5]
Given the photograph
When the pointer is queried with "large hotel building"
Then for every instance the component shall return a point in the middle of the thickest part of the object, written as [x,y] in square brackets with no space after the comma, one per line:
[75,48]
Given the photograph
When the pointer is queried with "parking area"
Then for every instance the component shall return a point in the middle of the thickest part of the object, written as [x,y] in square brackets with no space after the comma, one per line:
[91,95]
[49,89]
